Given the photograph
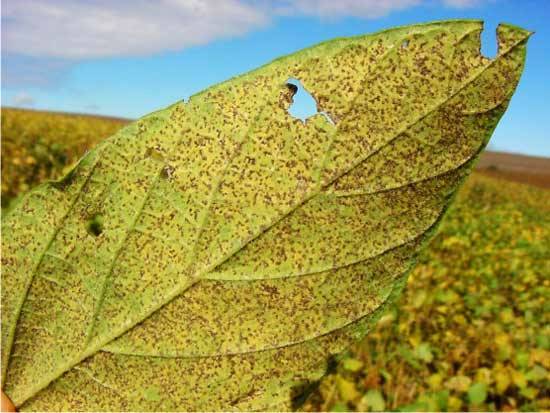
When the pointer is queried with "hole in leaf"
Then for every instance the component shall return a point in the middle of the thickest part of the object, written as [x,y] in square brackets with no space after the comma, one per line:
[303,104]
[167,172]
[405,43]
[94,225]
[489,47]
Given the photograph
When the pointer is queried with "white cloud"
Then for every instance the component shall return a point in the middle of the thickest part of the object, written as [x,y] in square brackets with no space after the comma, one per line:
[461,4]
[42,39]
[82,29]
[78,29]
[23,99]
[341,8]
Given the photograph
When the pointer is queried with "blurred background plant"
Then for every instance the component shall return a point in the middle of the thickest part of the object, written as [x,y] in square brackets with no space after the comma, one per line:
[471,330]
[37,146]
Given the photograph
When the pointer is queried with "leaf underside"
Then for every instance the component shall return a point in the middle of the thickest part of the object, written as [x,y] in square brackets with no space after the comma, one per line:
[215,254]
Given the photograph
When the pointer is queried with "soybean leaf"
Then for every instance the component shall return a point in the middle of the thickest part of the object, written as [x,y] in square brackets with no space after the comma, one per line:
[477,393]
[215,254]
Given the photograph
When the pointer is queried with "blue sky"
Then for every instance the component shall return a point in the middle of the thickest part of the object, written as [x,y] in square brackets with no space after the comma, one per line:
[128,58]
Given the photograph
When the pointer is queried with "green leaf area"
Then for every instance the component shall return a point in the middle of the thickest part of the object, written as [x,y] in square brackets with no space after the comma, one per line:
[215,254]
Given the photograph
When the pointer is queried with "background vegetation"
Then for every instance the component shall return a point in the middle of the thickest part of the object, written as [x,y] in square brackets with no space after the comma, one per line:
[37,146]
[470,332]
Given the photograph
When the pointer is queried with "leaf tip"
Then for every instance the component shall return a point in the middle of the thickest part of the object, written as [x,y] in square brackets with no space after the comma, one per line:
[509,35]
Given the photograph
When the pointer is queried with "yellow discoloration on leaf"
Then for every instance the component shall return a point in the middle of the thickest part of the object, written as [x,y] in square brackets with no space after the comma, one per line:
[237,247]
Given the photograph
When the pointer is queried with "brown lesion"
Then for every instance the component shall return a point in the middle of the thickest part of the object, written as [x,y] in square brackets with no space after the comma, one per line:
[155,153]
[287,95]
[94,225]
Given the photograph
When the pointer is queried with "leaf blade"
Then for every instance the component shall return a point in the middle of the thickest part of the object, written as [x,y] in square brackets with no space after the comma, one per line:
[213,216]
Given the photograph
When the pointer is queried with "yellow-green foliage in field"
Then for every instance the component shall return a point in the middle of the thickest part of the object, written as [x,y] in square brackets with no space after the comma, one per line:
[472,329]
[37,146]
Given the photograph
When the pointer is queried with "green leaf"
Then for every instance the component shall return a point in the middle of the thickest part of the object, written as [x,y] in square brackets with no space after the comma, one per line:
[373,401]
[352,365]
[537,373]
[419,298]
[409,356]
[417,406]
[529,392]
[424,352]
[522,359]
[340,407]
[215,254]
[477,393]
[459,383]
[430,402]
[442,398]
[347,390]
